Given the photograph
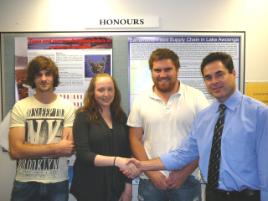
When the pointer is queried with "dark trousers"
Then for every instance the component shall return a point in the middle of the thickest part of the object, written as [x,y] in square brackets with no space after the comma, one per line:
[35,191]
[245,195]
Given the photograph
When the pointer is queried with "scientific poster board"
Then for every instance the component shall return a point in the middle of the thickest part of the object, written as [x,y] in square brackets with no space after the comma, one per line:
[121,57]
[78,60]
[191,49]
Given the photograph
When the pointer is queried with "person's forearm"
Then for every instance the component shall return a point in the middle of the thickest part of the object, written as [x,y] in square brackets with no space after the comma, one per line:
[101,160]
[188,169]
[33,151]
[20,150]
[152,164]
[138,150]
[137,147]
[139,153]
[120,162]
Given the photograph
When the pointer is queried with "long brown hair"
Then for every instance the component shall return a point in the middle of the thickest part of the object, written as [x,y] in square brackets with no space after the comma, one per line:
[93,108]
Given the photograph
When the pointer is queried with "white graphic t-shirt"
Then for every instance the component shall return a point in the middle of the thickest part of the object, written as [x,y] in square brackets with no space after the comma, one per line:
[43,124]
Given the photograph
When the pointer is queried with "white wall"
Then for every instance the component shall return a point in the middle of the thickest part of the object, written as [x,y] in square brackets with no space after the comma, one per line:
[175,15]
[250,16]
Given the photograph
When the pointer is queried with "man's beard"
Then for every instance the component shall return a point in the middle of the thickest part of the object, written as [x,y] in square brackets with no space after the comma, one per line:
[168,87]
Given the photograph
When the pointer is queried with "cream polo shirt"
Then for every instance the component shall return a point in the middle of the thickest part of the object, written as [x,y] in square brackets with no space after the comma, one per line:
[165,125]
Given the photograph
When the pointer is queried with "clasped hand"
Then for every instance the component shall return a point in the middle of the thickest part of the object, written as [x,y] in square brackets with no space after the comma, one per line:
[130,167]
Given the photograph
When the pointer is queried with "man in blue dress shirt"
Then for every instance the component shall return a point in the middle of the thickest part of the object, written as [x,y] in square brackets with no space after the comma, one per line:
[243,167]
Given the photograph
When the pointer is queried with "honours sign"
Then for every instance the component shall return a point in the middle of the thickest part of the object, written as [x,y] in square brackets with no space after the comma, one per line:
[125,22]
[118,21]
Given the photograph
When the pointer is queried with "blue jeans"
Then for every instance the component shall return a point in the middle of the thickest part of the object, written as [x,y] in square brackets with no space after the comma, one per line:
[189,191]
[35,191]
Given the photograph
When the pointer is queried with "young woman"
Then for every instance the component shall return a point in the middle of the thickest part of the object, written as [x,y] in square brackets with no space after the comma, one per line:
[101,140]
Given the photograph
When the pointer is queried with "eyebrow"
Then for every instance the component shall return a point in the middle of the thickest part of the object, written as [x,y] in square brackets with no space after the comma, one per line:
[165,68]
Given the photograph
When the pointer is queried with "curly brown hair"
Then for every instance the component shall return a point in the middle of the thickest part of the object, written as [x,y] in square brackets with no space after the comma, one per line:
[38,64]
[92,107]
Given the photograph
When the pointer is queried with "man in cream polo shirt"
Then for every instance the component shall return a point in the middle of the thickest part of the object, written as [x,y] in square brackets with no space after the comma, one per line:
[159,120]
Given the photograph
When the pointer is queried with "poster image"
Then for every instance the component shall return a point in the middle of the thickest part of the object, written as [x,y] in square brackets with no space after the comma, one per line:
[21,76]
[78,60]
[95,64]
[191,49]
[69,43]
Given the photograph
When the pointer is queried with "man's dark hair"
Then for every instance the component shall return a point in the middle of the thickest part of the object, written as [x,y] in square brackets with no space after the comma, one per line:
[164,53]
[225,58]
[38,64]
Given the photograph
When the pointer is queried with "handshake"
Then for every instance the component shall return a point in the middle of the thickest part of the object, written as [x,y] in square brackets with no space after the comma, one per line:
[132,167]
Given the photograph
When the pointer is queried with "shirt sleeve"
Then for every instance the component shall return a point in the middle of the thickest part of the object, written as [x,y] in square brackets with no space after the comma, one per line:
[183,155]
[80,132]
[134,118]
[264,195]
[262,150]
[17,118]
[69,115]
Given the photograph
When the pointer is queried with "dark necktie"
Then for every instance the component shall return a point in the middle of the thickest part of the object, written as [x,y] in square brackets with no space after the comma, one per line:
[215,153]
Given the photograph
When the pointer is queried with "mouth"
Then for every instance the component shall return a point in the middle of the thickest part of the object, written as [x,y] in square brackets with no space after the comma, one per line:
[44,85]
[106,100]
[216,89]
[163,80]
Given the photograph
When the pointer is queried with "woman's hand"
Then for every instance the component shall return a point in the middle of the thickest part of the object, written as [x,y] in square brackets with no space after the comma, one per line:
[127,166]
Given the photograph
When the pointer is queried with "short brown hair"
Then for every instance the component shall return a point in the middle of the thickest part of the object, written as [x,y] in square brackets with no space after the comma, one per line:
[164,53]
[38,64]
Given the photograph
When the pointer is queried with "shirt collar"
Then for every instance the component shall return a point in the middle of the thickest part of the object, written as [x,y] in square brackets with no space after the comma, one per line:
[231,103]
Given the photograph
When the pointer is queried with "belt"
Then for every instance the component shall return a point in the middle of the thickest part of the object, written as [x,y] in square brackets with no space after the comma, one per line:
[243,193]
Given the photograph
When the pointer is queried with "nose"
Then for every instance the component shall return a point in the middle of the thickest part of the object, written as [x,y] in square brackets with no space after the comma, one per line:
[214,80]
[162,74]
[106,93]
[43,77]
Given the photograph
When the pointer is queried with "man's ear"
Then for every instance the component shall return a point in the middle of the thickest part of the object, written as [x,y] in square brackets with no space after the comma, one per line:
[234,72]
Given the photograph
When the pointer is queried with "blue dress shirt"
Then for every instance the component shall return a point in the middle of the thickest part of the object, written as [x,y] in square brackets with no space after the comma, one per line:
[244,145]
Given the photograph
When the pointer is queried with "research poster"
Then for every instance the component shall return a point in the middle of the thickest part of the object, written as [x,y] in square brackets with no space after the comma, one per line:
[191,49]
[78,60]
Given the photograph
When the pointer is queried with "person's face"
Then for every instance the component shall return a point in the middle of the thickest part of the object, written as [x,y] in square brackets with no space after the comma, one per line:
[164,75]
[44,81]
[104,91]
[219,81]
